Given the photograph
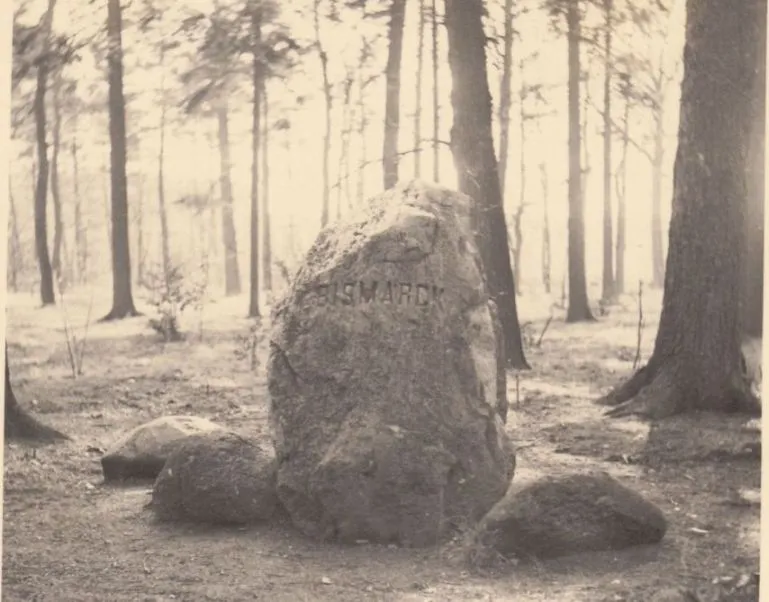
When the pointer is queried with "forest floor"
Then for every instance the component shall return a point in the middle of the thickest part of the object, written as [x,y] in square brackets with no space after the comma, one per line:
[66,536]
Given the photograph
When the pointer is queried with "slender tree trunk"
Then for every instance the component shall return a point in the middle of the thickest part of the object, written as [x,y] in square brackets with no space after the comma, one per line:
[578,306]
[473,149]
[436,94]
[753,266]
[14,246]
[619,280]
[58,224]
[546,246]
[267,254]
[165,236]
[420,75]
[19,425]
[696,363]
[329,105]
[122,298]
[505,101]
[518,215]
[344,148]
[81,240]
[140,234]
[608,291]
[229,234]
[361,132]
[392,96]
[658,261]
[257,82]
[41,188]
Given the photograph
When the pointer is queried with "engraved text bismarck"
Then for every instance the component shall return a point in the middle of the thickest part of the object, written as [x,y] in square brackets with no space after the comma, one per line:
[388,292]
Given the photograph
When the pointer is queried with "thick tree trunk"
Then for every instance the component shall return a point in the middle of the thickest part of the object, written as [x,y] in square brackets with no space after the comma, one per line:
[473,149]
[267,254]
[58,223]
[619,278]
[19,425]
[122,298]
[579,309]
[546,246]
[505,100]
[257,84]
[436,93]
[607,288]
[393,93]
[420,75]
[753,266]
[696,359]
[324,215]
[41,187]
[229,234]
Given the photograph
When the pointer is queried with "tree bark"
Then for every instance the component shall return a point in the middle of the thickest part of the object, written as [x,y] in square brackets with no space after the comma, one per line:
[328,108]
[19,425]
[436,93]
[165,237]
[696,363]
[607,288]
[41,188]
[81,240]
[393,93]
[229,234]
[473,149]
[257,83]
[753,267]
[619,279]
[267,254]
[579,309]
[420,75]
[58,224]
[505,100]
[122,298]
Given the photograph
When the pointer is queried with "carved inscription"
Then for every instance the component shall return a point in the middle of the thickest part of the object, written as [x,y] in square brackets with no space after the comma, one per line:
[386,292]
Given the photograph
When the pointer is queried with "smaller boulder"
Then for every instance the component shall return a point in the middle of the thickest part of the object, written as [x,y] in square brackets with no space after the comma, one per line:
[558,516]
[142,452]
[217,477]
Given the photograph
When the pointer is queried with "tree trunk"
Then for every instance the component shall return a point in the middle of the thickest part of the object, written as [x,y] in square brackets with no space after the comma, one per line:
[81,240]
[329,102]
[436,93]
[19,425]
[267,254]
[658,262]
[229,234]
[344,147]
[420,75]
[578,306]
[122,299]
[546,247]
[696,360]
[619,279]
[505,101]
[58,224]
[753,267]
[41,188]
[257,83]
[518,245]
[14,242]
[518,215]
[473,149]
[392,96]
[165,237]
[140,254]
[361,132]
[607,289]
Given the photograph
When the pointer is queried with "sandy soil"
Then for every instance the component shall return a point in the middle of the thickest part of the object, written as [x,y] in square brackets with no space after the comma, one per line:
[68,537]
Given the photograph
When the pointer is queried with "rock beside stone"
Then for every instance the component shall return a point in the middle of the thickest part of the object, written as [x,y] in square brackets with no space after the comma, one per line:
[142,452]
[217,477]
[571,514]
[386,376]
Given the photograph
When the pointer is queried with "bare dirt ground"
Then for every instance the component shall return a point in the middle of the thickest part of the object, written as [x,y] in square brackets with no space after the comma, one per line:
[68,537]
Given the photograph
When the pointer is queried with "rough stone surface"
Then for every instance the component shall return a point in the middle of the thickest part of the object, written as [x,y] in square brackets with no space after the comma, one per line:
[217,477]
[558,516]
[386,379]
[142,452]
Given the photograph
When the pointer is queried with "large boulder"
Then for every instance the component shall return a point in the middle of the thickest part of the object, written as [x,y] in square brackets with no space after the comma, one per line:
[386,376]
[218,477]
[141,452]
[570,514]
